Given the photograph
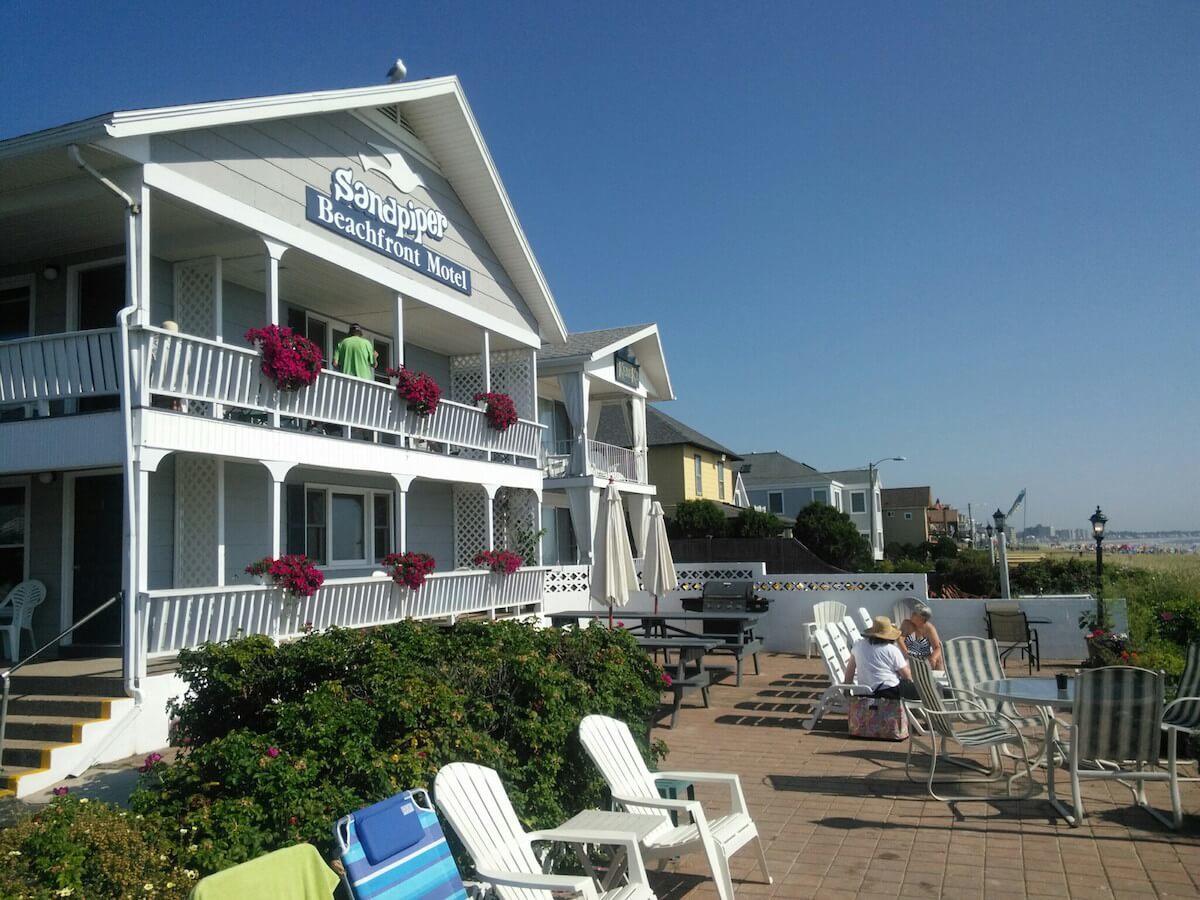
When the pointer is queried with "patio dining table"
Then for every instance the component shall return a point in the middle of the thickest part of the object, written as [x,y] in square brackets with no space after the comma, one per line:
[1045,695]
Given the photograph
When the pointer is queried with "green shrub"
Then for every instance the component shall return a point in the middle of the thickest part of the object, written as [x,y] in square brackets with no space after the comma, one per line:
[697,519]
[833,536]
[754,523]
[281,741]
[971,572]
[1054,575]
[77,848]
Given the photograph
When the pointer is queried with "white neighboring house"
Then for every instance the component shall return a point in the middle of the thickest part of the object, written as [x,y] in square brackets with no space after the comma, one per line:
[782,485]
[609,372]
[157,463]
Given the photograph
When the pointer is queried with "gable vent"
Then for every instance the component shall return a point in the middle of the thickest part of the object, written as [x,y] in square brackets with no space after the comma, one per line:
[392,114]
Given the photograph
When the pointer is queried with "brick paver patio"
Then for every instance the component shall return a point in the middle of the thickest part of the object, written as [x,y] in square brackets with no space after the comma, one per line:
[839,819]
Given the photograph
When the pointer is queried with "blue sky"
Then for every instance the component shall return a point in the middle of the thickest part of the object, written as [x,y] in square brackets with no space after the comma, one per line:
[963,233]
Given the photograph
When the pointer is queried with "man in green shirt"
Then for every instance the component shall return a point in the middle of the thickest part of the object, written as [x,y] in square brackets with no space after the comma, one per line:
[355,355]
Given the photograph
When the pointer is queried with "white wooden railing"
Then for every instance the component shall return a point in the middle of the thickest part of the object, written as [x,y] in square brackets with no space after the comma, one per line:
[197,369]
[179,618]
[60,366]
[620,462]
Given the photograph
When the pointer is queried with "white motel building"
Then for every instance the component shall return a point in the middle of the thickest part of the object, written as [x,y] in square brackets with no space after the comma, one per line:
[144,455]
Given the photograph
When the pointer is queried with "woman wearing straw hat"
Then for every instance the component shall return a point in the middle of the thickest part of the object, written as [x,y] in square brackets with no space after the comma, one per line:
[876,662]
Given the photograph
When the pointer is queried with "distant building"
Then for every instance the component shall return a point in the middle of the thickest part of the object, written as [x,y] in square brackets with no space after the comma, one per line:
[1037,533]
[785,486]
[944,521]
[906,514]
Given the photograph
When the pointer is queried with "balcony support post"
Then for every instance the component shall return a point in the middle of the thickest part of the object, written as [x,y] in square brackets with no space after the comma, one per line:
[220,582]
[400,510]
[489,491]
[275,251]
[277,471]
[398,331]
[485,359]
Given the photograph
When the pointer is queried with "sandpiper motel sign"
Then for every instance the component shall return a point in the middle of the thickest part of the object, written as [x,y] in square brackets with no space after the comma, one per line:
[397,229]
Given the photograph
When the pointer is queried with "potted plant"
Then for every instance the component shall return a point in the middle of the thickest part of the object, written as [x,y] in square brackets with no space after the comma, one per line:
[501,412]
[502,562]
[290,360]
[409,569]
[295,573]
[418,390]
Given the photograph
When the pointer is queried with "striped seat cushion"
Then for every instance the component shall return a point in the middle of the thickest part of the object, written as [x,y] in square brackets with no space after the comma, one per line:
[1186,715]
[417,864]
[984,735]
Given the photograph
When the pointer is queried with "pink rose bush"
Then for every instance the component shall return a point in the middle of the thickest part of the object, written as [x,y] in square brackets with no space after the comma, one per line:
[290,360]
[417,389]
[503,561]
[295,573]
[501,412]
[409,569]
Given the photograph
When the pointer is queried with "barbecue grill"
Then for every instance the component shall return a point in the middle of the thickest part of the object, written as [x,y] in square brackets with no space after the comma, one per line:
[726,596]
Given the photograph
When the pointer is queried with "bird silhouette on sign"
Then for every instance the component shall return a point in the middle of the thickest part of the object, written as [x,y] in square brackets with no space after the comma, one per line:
[397,170]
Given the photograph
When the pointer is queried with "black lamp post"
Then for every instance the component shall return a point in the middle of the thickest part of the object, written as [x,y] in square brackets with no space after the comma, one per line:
[999,517]
[990,531]
[1098,520]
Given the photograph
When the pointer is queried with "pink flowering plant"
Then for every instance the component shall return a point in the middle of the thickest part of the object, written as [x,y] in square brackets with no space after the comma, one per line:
[417,389]
[503,561]
[409,569]
[295,573]
[290,360]
[501,412]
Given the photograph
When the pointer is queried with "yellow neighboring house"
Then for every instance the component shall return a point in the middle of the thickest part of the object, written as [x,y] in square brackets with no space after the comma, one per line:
[687,465]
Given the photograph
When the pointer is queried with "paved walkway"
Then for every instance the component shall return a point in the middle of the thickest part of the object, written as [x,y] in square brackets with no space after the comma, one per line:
[840,820]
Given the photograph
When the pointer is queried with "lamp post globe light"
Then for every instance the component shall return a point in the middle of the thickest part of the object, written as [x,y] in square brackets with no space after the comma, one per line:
[1099,520]
[871,467]
[999,518]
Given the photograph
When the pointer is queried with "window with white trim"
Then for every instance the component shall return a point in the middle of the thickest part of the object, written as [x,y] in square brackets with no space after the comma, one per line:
[339,526]
[14,528]
[908,517]
[698,472]
[720,479]
[820,495]
[837,500]
[858,501]
[775,502]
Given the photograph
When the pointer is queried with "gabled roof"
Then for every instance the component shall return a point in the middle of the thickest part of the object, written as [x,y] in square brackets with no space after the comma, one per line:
[664,431]
[436,108]
[772,467]
[583,347]
[594,344]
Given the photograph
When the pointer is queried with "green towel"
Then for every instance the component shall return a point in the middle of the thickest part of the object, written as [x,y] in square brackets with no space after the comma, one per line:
[293,873]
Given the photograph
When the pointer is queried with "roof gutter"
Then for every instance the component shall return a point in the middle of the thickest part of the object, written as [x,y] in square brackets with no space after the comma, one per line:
[129,631]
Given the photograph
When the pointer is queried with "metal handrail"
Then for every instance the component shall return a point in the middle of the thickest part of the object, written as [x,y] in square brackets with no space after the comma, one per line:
[6,675]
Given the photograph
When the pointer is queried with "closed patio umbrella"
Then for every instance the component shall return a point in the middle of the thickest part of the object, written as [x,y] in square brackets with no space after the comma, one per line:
[613,575]
[658,569]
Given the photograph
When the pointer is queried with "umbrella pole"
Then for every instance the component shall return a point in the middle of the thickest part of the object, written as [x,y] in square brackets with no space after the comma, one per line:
[610,617]
[656,604]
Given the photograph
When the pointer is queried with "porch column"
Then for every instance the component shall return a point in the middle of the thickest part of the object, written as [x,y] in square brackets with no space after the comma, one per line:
[220,582]
[398,332]
[400,510]
[277,472]
[138,258]
[489,491]
[486,365]
[639,517]
[275,251]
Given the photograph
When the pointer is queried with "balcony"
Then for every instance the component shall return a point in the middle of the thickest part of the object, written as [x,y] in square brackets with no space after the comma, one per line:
[198,376]
[604,461]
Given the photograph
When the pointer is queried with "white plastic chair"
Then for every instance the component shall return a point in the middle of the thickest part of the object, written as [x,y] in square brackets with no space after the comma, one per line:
[16,614]
[835,697]
[865,617]
[901,610]
[633,786]
[849,630]
[474,801]
[824,613]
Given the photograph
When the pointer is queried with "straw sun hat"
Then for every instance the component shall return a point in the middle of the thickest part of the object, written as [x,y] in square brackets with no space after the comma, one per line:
[882,627]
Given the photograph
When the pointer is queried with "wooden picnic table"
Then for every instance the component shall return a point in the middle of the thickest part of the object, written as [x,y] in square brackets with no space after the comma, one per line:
[740,642]
[686,678]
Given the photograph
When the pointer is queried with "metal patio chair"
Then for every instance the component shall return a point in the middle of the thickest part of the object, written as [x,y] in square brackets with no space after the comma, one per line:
[1118,717]
[1010,629]
[934,718]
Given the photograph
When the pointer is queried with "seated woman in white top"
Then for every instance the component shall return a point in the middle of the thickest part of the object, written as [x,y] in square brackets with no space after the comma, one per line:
[876,662]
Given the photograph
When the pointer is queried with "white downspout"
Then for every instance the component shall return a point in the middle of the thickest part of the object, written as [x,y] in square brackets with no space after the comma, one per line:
[129,630]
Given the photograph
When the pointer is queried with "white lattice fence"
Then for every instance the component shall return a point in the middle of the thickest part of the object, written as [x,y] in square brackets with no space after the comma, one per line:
[515,513]
[195,520]
[470,523]
[512,374]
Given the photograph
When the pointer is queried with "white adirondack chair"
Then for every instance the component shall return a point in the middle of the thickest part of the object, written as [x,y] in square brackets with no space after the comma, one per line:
[474,801]
[633,786]
[865,617]
[850,630]
[16,614]
[824,613]
[835,655]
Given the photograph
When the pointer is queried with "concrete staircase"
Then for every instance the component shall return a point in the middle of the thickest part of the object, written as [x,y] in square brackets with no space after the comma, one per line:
[55,709]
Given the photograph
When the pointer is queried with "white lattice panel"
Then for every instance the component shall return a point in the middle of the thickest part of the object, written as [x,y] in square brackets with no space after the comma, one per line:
[196,284]
[470,523]
[512,374]
[514,511]
[195,521]
[568,579]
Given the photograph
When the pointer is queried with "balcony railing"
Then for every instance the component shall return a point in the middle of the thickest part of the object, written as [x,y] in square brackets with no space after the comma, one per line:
[34,371]
[620,463]
[173,620]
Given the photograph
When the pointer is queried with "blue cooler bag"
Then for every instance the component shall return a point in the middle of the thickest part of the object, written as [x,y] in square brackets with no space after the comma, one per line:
[396,848]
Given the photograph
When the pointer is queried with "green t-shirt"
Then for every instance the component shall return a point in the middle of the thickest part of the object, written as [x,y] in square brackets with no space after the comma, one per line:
[355,356]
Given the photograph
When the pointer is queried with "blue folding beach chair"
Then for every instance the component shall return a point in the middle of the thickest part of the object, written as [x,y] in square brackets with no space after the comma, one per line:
[395,848]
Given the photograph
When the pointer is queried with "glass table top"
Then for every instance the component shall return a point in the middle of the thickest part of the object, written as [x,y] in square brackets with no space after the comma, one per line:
[1032,691]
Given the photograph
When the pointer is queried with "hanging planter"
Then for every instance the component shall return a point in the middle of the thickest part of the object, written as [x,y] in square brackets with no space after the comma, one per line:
[290,360]
[409,569]
[503,562]
[296,574]
[501,412]
[418,390]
